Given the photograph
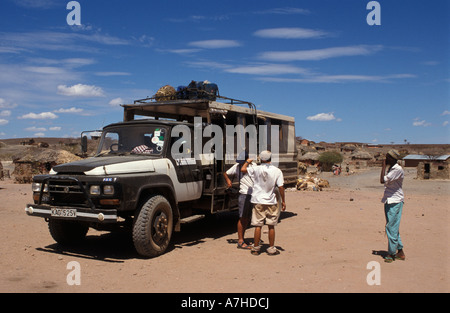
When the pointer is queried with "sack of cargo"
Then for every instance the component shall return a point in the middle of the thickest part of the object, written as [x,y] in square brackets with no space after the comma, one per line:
[182,93]
[165,93]
[202,90]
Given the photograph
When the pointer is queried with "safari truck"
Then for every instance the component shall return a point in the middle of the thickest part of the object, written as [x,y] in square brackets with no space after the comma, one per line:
[146,174]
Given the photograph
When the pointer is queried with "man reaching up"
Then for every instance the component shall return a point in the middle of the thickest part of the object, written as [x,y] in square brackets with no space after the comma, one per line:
[266,178]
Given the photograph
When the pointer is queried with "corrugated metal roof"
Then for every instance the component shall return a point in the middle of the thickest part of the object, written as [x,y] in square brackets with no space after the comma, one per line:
[426,157]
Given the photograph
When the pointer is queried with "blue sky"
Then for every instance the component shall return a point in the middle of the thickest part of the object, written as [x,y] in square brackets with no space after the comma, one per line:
[316,60]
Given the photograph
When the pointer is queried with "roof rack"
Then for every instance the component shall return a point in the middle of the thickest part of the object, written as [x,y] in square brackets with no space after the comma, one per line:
[186,109]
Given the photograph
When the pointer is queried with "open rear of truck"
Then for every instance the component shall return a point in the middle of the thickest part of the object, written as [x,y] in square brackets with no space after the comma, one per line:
[276,134]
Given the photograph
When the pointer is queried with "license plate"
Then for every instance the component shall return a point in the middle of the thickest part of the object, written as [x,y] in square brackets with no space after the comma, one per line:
[64,212]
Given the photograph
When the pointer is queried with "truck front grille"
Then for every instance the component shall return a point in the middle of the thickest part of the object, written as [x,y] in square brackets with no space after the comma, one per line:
[68,192]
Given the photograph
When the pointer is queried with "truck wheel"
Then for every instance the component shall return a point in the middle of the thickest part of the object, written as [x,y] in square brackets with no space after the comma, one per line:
[67,232]
[152,227]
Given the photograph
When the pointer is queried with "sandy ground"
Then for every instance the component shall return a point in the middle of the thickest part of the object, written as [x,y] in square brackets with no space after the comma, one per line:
[327,240]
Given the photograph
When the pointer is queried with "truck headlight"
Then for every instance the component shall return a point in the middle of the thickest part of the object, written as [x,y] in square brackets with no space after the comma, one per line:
[108,190]
[94,190]
[36,187]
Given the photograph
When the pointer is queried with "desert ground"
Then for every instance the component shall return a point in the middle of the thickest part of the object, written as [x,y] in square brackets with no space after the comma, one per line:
[327,240]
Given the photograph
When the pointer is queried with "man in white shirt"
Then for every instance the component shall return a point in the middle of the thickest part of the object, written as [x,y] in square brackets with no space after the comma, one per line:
[393,199]
[245,194]
[266,177]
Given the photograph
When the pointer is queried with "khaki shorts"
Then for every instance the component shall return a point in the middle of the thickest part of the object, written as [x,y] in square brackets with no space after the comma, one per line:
[268,213]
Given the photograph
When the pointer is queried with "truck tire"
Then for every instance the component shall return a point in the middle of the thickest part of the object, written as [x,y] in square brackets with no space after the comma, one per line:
[67,232]
[152,227]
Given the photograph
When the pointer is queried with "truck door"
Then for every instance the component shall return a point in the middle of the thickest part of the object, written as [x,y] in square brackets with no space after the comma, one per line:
[188,170]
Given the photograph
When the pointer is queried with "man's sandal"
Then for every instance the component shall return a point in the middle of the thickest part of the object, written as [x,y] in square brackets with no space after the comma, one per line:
[388,259]
[241,246]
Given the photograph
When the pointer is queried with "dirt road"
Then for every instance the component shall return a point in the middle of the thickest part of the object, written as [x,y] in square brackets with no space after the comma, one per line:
[327,240]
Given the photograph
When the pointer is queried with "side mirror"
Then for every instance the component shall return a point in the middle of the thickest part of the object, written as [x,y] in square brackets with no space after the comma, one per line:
[84,144]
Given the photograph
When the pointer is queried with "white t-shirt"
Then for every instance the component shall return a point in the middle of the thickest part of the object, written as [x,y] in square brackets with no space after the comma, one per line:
[265,177]
[246,183]
[393,183]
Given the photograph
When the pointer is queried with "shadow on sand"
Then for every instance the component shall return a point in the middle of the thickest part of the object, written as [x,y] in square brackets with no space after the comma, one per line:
[117,247]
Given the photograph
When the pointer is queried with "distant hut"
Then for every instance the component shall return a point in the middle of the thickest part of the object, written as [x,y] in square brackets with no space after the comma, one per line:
[39,161]
[348,148]
[310,158]
[360,158]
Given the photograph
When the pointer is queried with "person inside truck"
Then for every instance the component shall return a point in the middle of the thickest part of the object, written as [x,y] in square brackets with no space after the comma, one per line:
[245,195]
[151,145]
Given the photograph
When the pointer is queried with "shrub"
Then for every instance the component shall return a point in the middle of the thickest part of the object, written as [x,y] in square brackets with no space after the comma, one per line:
[329,158]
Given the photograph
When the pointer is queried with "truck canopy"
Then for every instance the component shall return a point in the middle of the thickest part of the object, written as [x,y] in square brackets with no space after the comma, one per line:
[225,111]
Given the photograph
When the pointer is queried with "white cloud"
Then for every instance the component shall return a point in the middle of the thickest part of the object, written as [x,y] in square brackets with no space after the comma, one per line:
[322,117]
[40,116]
[36,129]
[37,4]
[320,54]
[417,122]
[106,74]
[321,78]
[80,90]
[58,41]
[116,102]
[446,112]
[48,70]
[39,135]
[445,123]
[290,33]
[266,69]
[55,128]
[71,110]
[181,51]
[284,11]
[215,44]
[6,104]
[3,122]
[5,113]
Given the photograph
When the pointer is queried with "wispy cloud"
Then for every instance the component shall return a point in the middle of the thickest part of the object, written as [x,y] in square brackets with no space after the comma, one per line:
[266,69]
[180,51]
[57,41]
[107,74]
[71,110]
[284,11]
[215,44]
[5,113]
[420,123]
[267,72]
[36,129]
[290,33]
[36,4]
[344,78]
[319,54]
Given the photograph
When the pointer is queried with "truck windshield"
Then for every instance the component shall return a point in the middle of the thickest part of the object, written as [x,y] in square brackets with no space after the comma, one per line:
[135,139]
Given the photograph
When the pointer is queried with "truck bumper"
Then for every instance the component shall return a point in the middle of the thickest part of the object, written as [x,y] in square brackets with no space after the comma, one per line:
[72,213]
